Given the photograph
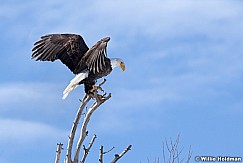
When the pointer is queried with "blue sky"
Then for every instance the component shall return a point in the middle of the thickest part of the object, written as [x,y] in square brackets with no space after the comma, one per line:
[184,75]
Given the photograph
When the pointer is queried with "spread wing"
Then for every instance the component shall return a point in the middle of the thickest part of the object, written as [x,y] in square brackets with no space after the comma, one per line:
[95,57]
[69,48]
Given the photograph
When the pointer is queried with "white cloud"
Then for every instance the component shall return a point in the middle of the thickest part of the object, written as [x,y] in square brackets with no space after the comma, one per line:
[157,19]
[162,19]
[15,93]
[14,131]
[189,78]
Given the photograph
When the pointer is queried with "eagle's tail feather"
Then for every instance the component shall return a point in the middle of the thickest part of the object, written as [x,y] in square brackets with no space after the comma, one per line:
[74,83]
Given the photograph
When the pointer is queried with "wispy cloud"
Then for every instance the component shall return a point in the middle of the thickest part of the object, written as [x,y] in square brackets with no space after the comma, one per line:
[16,93]
[15,131]
[160,24]
[177,77]
[157,19]
[162,19]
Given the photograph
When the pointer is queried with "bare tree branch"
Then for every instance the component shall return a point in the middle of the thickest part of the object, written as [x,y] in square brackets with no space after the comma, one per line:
[95,105]
[189,155]
[99,100]
[118,156]
[174,152]
[74,128]
[109,150]
[59,150]
[86,151]
[101,154]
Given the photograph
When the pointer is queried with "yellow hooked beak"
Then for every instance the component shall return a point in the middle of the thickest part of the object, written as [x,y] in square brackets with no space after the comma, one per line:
[123,67]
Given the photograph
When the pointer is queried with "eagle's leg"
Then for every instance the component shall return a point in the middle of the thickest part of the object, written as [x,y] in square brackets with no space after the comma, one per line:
[97,87]
[92,90]
[95,95]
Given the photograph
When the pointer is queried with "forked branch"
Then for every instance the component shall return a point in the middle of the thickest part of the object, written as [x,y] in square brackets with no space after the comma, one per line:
[86,150]
[174,152]
[91,110]
[102,153]
[99,99]
[118,156]
[74,128]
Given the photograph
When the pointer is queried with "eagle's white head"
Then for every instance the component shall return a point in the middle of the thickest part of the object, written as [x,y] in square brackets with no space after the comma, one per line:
[117,62]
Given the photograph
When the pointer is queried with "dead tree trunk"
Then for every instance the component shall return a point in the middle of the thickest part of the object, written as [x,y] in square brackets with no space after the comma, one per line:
[98,101]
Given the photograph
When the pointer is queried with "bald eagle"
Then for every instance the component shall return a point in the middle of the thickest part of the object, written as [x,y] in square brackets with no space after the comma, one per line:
[71,49]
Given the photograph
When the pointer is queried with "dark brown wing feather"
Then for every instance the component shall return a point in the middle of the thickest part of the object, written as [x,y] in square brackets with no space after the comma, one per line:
[95,56]
[69,48]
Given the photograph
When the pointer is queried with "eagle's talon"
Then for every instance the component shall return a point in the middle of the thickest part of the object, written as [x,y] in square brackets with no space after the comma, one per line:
[99,88]
[95,95]
[99,97]
[104,94]
[96,88]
